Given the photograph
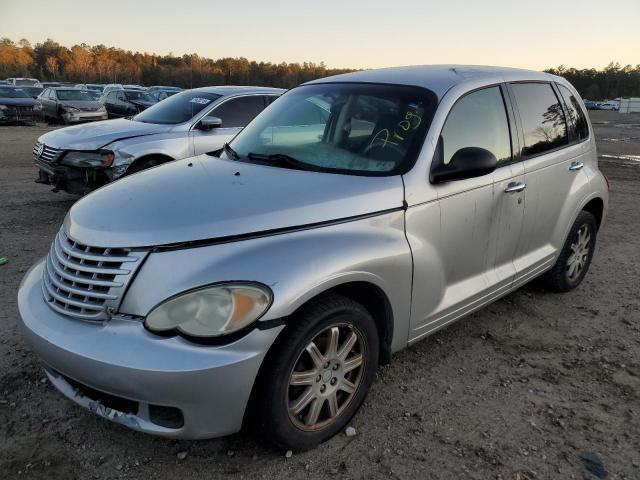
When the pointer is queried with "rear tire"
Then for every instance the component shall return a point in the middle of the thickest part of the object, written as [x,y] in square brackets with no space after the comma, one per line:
[575,257]
[317,374]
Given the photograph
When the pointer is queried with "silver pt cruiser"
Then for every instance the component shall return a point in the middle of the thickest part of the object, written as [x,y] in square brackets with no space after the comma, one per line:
[357,214]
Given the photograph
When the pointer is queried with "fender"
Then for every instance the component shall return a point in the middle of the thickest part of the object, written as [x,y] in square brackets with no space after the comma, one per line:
[297,266]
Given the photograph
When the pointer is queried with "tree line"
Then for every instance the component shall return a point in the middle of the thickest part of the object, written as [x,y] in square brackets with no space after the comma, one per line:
[101,64]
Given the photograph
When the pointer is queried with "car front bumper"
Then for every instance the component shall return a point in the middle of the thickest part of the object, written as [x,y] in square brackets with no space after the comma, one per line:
[73,117]
[102,365]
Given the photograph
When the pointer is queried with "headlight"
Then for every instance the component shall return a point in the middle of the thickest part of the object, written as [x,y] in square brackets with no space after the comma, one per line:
[103,158]
[102,108]
[3,107]
[70,109]
[211,311]
[37,107]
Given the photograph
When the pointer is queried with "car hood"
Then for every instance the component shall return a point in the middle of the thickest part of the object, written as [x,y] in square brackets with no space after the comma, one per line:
[207,198]
[18,102]
[82,104]
[91,136]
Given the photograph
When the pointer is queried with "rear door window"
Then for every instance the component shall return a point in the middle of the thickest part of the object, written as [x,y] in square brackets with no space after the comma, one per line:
[542,118]
[478,119]
[238,112]
[578,126]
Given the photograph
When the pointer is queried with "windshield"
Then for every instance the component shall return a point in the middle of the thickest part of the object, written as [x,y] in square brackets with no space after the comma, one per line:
[25,82]
[135,95]
[178,108]
[363,129]
[33,90]
[74,95]
[8,92]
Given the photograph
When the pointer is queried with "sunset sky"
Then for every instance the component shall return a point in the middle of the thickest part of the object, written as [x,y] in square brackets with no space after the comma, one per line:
[346,33]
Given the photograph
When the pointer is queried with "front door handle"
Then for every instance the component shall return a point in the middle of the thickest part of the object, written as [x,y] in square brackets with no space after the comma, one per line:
[515,187]
[576,166]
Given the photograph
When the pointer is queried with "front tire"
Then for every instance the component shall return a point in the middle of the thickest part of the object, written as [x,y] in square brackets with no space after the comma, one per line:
[317,374]
[576,254]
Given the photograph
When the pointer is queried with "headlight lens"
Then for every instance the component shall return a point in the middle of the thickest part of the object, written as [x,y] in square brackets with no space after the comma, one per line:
[37,106]
[102,108]
[70,109]
[3,107]
[211,311]
[102,158]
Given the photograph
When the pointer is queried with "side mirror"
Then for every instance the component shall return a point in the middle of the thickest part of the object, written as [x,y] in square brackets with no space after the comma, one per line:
[468,162]
[208,123]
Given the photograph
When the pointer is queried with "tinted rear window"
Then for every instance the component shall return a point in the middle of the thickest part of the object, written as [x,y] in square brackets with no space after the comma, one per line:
[178,108]
[577,121]
[542,117]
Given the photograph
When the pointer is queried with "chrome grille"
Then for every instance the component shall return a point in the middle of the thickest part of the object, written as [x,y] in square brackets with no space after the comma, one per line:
[48,154]
[87,282]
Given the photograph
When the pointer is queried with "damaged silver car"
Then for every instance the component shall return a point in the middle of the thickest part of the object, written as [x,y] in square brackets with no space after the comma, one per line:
[84,157]
[353,217]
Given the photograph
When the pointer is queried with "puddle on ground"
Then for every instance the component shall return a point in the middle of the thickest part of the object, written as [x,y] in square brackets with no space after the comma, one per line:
[634,159]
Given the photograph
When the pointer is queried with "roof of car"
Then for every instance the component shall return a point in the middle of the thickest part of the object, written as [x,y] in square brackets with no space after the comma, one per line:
[234,90]
[438,78]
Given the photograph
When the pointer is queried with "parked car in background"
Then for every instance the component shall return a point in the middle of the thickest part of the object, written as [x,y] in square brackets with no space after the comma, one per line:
[111,86]
[33,91]
[90,86]
[160,93]
[591,105]
[17,106]
[267,284]
[127,102]
[81,158]
[70,105]
[609,105]
[4,82]
[24,82]
[50,84]
[134,87]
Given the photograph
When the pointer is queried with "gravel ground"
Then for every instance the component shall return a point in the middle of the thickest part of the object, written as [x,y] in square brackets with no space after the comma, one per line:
[519,390]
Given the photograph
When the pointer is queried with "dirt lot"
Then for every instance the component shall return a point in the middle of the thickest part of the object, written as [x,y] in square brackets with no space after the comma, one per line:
[521,389]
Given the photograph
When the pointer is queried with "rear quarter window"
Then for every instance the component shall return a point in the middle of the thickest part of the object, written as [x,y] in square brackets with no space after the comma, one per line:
[578,126]
[543,123]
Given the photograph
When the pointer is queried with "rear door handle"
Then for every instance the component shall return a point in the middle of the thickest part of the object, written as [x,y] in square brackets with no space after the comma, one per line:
[576,166]
[515,187]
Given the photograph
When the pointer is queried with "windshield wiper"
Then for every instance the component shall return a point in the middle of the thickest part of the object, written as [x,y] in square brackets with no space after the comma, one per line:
[230,151]
[281,159]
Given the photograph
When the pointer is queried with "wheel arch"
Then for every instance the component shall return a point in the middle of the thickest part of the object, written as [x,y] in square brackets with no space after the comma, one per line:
[595,206]
[159,157]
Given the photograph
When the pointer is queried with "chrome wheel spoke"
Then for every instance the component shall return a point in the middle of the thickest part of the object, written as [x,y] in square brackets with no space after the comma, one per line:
[332,349]
[301,403]
[351,363]
[347,346]
[303,378]
[332,402]
[347,386]
[316,357]
[314,411]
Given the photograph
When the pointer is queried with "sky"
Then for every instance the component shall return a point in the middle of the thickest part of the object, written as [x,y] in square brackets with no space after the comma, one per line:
[534,34]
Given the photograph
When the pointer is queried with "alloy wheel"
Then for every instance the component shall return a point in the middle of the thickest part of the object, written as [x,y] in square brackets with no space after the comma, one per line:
[326,376]
[580,248]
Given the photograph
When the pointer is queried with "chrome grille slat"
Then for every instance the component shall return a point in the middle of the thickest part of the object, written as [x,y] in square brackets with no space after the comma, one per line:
[74,278]
[75,252]
[49,154]
[87,282]
[85,268]
[77,291]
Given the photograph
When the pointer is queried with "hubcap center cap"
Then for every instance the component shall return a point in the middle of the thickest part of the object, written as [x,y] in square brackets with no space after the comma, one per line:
[326,376]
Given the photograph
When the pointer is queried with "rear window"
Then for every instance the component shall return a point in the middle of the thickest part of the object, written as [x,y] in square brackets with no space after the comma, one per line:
[543,121]
[178,108]
[578,125]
